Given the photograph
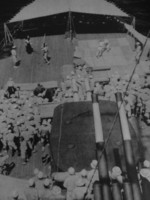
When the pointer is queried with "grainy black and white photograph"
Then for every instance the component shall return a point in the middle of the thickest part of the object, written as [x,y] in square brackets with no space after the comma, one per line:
[74,100]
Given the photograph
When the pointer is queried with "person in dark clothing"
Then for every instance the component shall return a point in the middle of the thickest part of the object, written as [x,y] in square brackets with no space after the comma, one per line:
[49,94]
[1,143]
[28,46]
[10,90]
[148,56]
[39,89]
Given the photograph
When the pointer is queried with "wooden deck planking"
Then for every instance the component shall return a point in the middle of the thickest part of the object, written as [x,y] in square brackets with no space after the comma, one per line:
[26,171]
[33,69]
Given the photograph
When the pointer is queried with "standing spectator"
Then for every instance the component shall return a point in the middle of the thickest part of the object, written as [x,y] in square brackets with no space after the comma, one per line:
[145,179]
[46,191]
[84,179]
[23,149]
[15,196]
[46,55]
[138,51]
[100,49]
[92,176]
[70,183]
[16,61]
[106,45]
[31,191]
[1,142]
[45,133]
[148,55]
[39,182]
[103,46]
[93,171]
[80,190]
[28,45]
[10,141]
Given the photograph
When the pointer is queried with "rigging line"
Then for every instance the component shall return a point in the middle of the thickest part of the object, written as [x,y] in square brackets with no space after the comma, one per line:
[5,36]
[8,35]
[44,39]
[117,114]
[70,27]
[3,40]
[73,26]
[60,135]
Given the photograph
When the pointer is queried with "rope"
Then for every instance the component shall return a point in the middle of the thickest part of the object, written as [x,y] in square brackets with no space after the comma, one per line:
[117,114]
[73,27]
[2,43]
[60,135]
[8,36]
[5,34]
[70,28]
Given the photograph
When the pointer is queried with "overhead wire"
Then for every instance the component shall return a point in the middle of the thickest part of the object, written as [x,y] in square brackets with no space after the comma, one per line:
[116,116]
[2,43]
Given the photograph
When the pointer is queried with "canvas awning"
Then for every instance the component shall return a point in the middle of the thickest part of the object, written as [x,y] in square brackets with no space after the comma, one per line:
[41,8]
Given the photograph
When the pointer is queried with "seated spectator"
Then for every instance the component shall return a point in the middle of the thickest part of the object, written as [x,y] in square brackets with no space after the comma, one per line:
[49,94]
[31,191]
[15,196]
[84,175]
[11,89]
[93,174]
[39,89]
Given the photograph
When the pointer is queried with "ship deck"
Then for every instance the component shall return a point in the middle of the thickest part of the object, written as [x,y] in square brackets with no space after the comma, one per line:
[62,51]
[33,69]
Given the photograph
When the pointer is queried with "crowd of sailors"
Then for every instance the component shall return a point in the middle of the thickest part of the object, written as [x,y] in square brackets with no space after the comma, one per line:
[80,84]
[78,185]
[22,128]
[21,125]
